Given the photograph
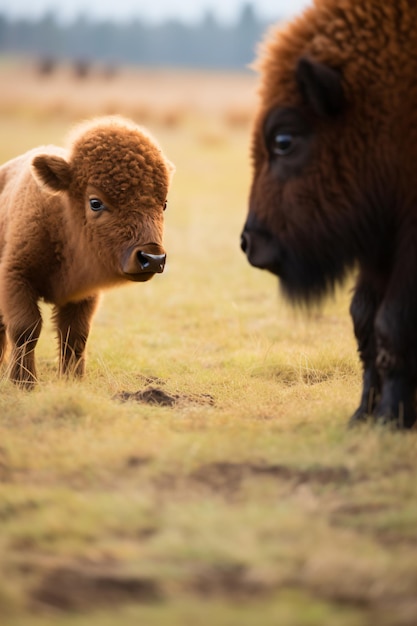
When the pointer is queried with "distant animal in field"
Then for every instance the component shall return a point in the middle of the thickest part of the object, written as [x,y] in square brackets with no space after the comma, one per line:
[334,180]
[74,222]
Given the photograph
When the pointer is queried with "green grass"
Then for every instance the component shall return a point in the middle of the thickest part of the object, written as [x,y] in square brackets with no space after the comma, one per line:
[246,502]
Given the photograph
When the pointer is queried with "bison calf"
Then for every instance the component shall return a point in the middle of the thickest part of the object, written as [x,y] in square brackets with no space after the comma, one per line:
[72,223]
[334,184]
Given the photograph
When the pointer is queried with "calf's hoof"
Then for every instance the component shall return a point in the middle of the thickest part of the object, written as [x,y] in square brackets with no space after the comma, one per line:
[23,378]
[27,384]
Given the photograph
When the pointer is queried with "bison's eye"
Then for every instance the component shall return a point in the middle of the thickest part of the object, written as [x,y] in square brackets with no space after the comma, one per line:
[283,144]
[165,205]
[96,205]
[287,138]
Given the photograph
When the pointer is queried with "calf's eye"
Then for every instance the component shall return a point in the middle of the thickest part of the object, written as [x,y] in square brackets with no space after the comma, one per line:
[96,205]
[283,144]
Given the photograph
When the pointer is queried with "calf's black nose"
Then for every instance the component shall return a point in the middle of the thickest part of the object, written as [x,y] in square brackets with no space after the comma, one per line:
[151,262]
[138,261]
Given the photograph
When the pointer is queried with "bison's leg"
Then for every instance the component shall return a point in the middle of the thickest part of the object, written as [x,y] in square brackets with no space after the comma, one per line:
[73,323]
[397,357]
[363,308]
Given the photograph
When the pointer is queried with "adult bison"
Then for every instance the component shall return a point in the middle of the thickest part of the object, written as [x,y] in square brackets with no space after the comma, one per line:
[74,222]
[335,186]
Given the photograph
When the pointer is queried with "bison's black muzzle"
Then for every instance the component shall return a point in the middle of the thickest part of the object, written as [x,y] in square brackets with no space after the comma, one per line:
[245,242]
[261,249]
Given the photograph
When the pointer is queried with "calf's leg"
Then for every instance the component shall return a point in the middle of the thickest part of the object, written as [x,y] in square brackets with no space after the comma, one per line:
[73,321]
[20,314]
[24,331]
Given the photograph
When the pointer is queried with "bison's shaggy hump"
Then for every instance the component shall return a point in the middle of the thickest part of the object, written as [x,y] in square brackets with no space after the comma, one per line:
[334,186]
[369,42]
[73,222]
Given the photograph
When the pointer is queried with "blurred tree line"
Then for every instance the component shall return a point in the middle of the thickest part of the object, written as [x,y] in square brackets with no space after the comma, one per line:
[207,44]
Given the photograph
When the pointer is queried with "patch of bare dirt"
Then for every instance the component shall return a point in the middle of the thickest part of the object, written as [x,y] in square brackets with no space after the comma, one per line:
[80,588]
[157,396]
[89,586]
[382,605]
[362,515]
[232,580]
[10,510]
[152,395]
[226,476]
[136,461]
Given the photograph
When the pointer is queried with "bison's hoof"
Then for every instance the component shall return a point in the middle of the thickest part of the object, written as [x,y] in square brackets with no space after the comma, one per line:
[394,422]
[359,417]
[404,420]
[389,422]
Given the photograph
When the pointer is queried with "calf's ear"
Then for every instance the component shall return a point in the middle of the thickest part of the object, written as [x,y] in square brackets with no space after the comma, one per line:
[171,168]
[52,171]
[321,87]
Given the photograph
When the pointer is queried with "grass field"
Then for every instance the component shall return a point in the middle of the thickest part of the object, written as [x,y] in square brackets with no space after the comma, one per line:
[242,500]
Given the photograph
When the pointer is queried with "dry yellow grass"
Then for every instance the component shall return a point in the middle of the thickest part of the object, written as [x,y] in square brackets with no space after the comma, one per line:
[246,501]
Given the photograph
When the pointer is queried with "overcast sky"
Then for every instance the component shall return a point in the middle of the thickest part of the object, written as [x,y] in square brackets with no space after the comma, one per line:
[152,10]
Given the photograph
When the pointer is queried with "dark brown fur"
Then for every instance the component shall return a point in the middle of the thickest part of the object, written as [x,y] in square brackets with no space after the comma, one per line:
[334,186]
[55,247]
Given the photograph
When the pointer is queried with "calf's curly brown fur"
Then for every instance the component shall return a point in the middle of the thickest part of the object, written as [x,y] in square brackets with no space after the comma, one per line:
[73,222]
[334,185]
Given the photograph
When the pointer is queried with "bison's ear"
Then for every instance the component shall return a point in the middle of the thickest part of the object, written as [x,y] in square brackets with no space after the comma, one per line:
[321,87]
[52,171]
